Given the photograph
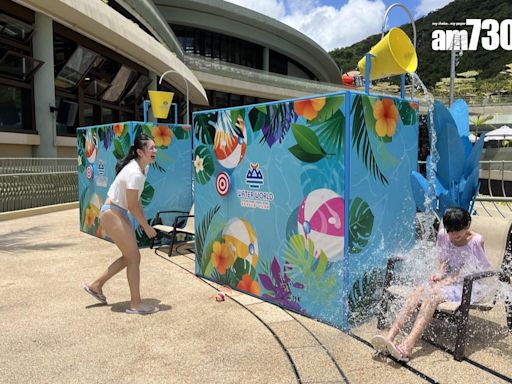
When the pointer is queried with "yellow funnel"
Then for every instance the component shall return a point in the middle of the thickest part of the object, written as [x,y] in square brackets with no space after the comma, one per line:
[394,55]
[160,103]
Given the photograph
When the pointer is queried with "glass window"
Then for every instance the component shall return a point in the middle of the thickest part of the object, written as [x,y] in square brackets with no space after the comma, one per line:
[18,66]
[137,90]
[76,67]
[94,88]
[91,114]
[122,79]
[126,116]
[15,108]
[107,115]
[14,28]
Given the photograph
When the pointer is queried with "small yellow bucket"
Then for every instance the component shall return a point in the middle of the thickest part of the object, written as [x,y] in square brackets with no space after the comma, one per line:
[394,55]
[160,103]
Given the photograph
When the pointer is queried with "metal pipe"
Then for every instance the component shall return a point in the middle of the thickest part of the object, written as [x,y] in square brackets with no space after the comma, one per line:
[413,30]
[186,86]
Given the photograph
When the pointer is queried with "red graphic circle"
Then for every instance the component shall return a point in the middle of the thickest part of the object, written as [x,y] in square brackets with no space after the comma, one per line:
[222,183]
[89,172]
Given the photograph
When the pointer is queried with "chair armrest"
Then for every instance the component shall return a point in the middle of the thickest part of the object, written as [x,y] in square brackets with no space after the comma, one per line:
[467,287]
[480,275]
[157,217]
[175,225]
[390,267]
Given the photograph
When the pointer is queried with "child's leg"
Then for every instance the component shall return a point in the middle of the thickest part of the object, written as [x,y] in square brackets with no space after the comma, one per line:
[423,319]
[408,309]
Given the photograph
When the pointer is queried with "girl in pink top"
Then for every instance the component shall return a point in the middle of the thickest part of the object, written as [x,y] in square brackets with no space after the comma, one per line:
[461,252]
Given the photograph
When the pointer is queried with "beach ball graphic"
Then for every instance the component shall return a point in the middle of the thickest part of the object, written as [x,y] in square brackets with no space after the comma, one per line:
[230,140]
[96,203]
[91,147]
[321,219]
[240,238]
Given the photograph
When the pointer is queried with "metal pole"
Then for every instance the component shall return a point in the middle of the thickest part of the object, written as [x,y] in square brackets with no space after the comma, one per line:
[186,86]
[452,72]
[413,30]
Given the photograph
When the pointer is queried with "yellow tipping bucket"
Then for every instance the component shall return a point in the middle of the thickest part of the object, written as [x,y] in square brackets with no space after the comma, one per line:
[394,55]
[160,103]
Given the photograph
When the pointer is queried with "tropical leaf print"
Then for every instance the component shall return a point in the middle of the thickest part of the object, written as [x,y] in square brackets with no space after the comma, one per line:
[106,135]
[181,132]
[203,164]
[204,127]
[257,117]
[273,120]
[229,278]
[277,284]
[142,238]
[408,113]
[308,148]
[308,269]
[361,141]
[360,225]
[331,133]
[365,296]
[331,107]
[121,147]
[147,194]
[278,122]
[201,233]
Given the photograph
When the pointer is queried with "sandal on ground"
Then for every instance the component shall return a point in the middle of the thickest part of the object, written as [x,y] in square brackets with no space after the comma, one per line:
[398,353]
[380,344]
[98,296]
[142,311]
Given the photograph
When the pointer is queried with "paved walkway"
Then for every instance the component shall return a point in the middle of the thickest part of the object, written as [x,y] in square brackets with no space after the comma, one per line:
[53,332]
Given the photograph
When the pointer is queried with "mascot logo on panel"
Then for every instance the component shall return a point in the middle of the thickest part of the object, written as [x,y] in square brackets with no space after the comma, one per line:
[230,141]
[321,219]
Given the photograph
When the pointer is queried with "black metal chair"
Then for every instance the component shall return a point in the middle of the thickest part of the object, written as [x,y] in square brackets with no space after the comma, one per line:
[183,224]
[497,234]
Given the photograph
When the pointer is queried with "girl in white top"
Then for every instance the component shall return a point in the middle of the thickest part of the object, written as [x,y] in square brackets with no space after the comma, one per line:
[123,196]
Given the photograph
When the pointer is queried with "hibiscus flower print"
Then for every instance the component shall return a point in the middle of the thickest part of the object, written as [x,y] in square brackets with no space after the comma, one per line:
[309,108]
[386,116]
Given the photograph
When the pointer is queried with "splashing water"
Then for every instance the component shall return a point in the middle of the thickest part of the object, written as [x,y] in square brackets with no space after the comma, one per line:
[427,218]
[422,261]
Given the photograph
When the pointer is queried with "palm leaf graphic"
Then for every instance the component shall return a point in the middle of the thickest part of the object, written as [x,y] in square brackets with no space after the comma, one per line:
[361,140]
[201,237]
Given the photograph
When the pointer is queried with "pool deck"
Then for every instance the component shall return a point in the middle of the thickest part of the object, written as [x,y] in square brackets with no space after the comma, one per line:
[53,332]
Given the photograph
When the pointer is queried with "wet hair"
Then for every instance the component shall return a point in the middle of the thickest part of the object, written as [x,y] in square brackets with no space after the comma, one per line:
[456,219]
[139,143]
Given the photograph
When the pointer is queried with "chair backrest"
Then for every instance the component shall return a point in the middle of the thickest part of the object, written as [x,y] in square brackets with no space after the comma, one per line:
[496,232]
[192,209]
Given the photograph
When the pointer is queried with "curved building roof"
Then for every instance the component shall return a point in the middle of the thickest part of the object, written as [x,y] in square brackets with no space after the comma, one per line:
[101,23]
[232,20]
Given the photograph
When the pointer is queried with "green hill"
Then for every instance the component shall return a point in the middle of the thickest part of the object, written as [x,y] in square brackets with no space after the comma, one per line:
[434,65]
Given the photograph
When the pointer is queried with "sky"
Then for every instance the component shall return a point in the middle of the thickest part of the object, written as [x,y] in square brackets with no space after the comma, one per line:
[340,23]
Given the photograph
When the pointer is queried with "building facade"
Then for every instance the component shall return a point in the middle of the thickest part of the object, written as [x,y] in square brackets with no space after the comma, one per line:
[71,63]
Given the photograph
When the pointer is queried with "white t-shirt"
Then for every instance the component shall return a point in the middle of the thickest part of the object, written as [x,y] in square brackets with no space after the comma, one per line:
[130,177]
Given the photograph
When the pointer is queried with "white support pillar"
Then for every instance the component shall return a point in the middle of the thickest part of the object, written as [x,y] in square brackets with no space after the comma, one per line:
[266,58]
[44,87]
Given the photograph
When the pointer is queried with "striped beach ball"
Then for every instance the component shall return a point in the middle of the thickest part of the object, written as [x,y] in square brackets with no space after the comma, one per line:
[91,147]
[240,238]
[321,219]
[230,140]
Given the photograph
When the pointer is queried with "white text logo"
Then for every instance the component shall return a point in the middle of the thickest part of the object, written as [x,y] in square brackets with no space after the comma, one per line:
[489,34]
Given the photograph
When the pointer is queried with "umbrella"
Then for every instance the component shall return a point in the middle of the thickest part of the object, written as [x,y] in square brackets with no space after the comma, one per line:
[502,133]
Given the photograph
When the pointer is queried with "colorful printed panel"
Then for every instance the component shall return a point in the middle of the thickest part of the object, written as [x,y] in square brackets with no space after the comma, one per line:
[269,202]
[383,153]
[168,185]
[271,186]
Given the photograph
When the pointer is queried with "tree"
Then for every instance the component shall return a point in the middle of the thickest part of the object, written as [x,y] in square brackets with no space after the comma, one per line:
[478,121]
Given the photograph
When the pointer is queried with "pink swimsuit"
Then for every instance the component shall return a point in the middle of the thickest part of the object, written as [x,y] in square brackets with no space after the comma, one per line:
[462,261]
